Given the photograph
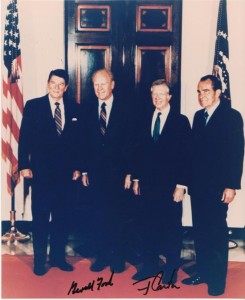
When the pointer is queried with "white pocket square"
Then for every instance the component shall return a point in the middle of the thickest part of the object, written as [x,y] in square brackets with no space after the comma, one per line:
[74,119]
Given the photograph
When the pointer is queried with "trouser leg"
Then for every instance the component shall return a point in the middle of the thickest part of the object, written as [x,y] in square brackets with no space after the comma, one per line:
[60,222]
[40,225]
[211,239]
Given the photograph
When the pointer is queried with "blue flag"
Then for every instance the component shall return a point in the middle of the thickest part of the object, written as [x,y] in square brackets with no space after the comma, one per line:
[221,56]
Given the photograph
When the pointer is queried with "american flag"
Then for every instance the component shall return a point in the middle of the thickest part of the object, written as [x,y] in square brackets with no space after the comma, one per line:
[12,100]
[221,56]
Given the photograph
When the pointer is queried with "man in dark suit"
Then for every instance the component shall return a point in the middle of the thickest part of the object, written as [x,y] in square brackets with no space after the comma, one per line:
[107,131]
[160,179]
[216,169]
[46,156]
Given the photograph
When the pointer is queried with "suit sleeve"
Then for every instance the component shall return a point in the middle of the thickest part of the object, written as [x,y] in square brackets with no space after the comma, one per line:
[25,138]
[235,153]
[76,138]
[183,158]
[83,142]
[128,144]
[135,159]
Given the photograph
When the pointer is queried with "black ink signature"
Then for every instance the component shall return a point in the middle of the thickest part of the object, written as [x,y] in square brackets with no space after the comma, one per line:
[155,283]
[74,289]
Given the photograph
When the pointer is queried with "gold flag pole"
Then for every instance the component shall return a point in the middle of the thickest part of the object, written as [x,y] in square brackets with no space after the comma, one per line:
[13,235]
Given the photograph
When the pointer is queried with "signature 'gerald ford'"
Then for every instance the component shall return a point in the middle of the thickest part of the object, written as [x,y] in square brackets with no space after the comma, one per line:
[92,285]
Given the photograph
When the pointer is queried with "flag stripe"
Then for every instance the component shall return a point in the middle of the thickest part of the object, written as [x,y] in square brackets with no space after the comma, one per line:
[16,94]
[7,120]
[10,140]
[13,109]
[12,100]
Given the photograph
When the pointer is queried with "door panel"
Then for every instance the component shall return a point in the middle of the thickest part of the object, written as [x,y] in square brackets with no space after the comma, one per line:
[152,63]
[138,40]
[89,59]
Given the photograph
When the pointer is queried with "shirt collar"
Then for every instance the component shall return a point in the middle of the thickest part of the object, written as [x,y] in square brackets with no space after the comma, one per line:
[52,101]
[212,109]
[108,102]
[164,112]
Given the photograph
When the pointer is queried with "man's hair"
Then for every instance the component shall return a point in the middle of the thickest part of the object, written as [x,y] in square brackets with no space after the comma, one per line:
[216,83]
[161,82]
[60,73]
[106,71]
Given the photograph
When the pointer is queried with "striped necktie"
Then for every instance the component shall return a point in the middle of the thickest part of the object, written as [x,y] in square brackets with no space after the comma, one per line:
[103,119]
[57,118]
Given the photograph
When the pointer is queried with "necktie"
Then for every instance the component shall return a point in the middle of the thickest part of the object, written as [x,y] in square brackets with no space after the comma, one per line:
[205,117]
[156,130]
[57,118]
[103,119]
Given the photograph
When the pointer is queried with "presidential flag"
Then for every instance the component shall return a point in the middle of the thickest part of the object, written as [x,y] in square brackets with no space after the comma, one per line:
[221,56]
[12,100]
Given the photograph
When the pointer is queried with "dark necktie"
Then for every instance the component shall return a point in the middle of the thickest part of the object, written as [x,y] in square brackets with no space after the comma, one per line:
[103,119]
[57,118]
[205,117]
[156,130]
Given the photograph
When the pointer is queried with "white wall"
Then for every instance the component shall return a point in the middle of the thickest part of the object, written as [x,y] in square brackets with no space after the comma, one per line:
[42,45]
[42,42]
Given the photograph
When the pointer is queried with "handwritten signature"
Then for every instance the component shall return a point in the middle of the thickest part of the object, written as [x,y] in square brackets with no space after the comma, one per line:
[92,285]
[154,283]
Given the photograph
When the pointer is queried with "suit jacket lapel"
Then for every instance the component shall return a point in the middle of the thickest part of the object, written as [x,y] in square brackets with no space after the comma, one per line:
[168,124]
[149,124]
[215,116]
[49,116]
[67,113]
[113,114]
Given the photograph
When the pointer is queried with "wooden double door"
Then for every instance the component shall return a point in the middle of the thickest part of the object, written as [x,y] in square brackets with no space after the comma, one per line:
[140,41]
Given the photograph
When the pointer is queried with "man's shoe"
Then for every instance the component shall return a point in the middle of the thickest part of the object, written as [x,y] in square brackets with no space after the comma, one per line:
[193,280]
[39,270]
[141,275]
[64,266]
[98,265]
[145,272]
[214,291]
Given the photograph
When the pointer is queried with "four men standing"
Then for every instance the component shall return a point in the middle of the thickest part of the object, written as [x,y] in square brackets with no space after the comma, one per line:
[162,157]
